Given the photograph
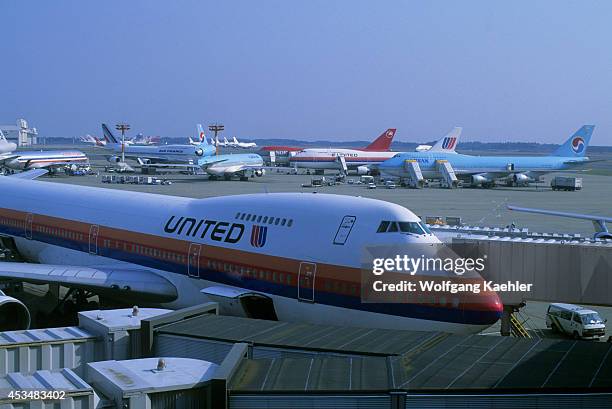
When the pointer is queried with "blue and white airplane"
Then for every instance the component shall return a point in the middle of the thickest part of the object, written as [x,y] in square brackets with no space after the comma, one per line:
[227,166]
[158,155]
[485,170]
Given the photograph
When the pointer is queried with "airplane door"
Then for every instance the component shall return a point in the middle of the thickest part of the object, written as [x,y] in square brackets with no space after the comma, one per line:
[94,229]
[306,281]
[193,261]
[28,226]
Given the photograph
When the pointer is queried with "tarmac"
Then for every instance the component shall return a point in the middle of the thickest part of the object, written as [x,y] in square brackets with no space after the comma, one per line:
[475,206]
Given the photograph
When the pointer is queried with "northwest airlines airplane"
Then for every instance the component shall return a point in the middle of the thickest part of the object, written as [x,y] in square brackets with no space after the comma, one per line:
[363,160]
[286,256]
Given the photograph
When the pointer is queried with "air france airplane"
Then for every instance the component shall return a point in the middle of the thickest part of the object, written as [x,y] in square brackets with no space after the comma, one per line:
[156,154]
[484,170]
[286,256]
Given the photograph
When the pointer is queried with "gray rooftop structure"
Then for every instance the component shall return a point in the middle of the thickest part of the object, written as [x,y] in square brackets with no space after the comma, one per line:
[307,357]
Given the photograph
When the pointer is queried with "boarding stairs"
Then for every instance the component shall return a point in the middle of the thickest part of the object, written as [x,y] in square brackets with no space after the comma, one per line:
[520,327]
[449,179]
[342,162]
[415,176]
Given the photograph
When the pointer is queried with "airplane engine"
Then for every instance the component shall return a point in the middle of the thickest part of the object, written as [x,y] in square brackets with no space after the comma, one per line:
[14,315]
[199,152]
[114,159]
[363,170]
[520,179]
[478,180]
[260,172]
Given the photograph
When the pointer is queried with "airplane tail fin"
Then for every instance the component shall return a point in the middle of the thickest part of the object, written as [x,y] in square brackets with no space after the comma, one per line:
[577,144]
[449,142]
[2,137]
[383,142]
[201,136]
[225,140]
[108,135]
[235,140]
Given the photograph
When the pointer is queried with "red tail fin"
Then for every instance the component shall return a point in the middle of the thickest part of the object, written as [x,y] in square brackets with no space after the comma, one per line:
[383,142]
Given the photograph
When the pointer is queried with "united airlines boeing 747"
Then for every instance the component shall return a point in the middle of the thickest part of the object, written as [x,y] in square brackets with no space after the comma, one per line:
[290,256]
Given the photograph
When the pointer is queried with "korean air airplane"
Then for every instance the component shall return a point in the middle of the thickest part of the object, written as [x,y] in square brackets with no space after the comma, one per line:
[285,256]
[485,170]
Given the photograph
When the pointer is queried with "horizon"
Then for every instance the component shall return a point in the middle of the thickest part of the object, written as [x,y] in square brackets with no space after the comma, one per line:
[342,70]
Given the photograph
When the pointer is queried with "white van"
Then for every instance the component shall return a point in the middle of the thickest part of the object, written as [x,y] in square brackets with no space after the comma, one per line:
[576,321]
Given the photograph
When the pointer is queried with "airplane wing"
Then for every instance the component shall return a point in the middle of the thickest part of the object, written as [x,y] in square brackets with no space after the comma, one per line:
[208,163]
[560,214]
[49,165]
[104,280]
[29,174]
[7,158]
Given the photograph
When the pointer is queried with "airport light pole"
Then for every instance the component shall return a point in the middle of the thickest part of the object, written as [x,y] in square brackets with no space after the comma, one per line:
[122,127]
[216,128]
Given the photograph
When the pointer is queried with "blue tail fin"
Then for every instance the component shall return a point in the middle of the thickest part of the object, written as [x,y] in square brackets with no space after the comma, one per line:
[576,145]
[201,136]
[108,135]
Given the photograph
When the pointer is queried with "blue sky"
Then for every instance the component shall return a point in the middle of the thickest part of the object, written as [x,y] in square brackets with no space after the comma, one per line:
[344,70]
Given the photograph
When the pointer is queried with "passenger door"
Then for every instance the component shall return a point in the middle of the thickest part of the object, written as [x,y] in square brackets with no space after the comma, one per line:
[28,226]
[94,229]
[193,261]
[306,281]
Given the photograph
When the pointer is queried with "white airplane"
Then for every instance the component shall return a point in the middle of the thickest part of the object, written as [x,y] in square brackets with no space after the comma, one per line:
[355,159]
[51,160]
[364,160]
[243,145]
[6,146]
[286,256]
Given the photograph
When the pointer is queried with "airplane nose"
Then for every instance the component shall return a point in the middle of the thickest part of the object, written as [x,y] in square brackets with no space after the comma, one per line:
[487,306]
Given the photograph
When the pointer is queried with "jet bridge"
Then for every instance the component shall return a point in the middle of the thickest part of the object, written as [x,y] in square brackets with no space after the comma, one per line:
[449,179]
[415,176]
[342,162]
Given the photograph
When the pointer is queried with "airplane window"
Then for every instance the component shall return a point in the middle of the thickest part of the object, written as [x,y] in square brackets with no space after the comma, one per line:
[265,219]
[271,220]
[283,222]
[393,227]
[411,227]
[383,227]
[277,221]
[258,219]
[290,222]
[242,216]
[238,215]
[424,227]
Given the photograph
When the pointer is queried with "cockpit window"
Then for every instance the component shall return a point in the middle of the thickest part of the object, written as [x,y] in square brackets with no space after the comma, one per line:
[383,227]
[403,227]
[411,227]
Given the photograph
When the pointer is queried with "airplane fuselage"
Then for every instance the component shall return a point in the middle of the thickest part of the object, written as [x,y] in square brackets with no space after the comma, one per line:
[186,154]
[328,158]
[41,159]
[469,165]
